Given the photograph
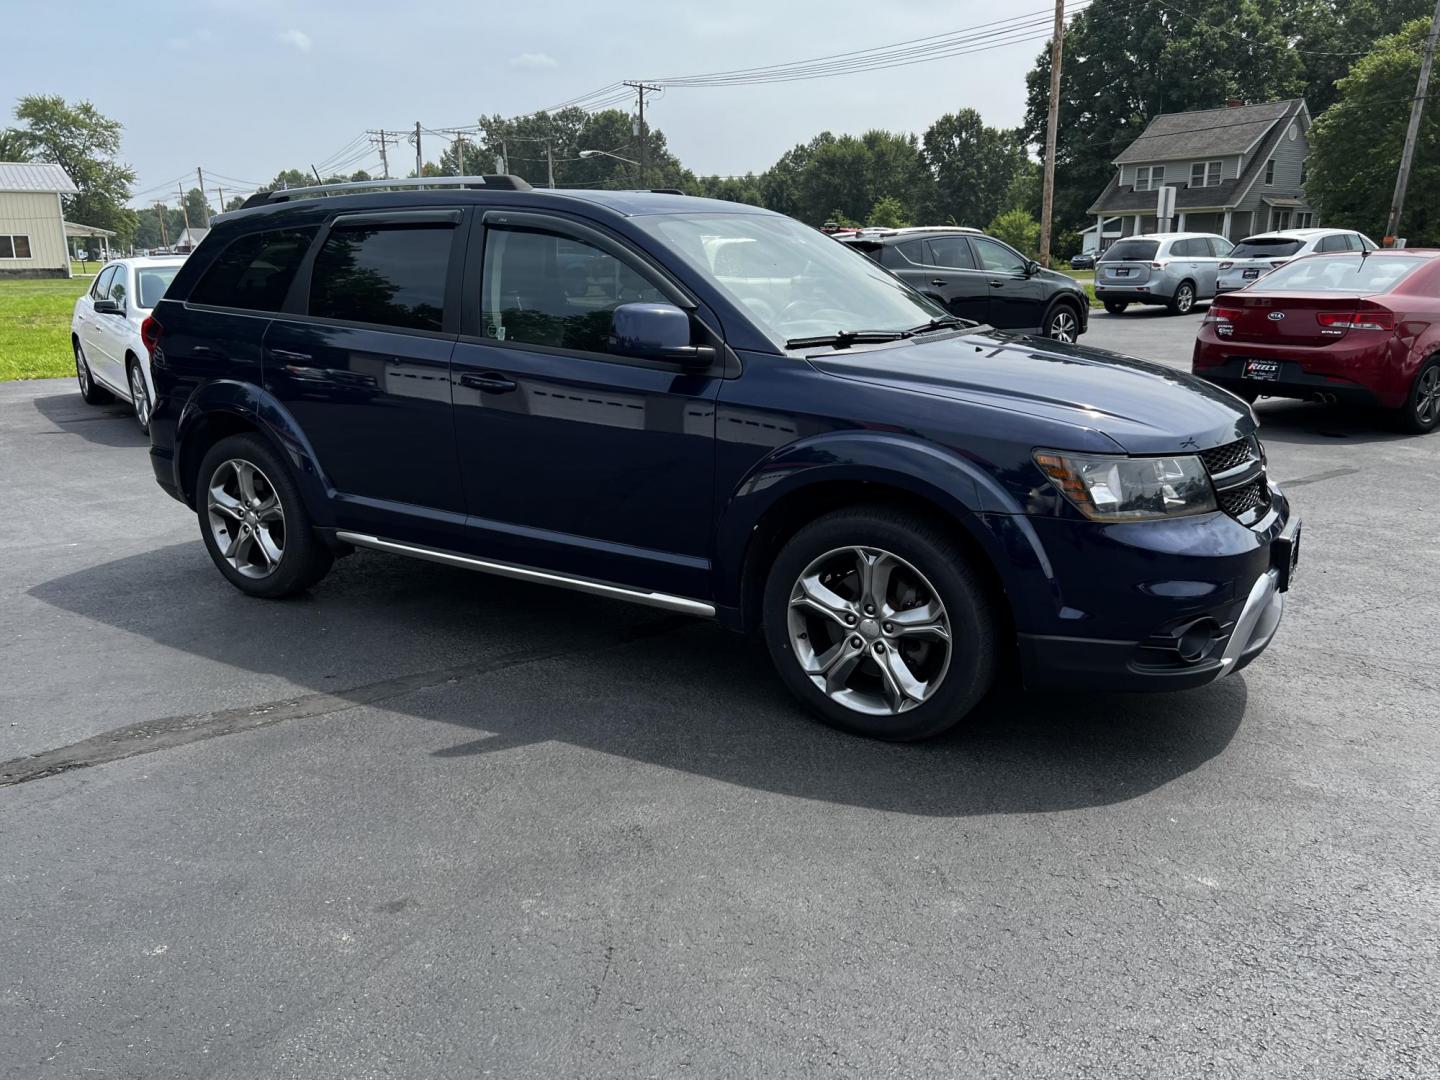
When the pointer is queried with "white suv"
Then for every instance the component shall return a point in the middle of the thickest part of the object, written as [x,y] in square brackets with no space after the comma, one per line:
[1256,256]
[111,360]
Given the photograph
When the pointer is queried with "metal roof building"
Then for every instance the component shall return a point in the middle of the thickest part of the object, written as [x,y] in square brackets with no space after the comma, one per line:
[32,220]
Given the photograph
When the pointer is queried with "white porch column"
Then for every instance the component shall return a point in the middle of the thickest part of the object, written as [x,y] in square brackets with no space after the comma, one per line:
[1137,226]
[1225,228]
[1180,221]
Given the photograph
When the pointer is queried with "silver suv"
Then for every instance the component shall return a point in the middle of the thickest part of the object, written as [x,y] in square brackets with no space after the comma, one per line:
[1256,256]
[1174,269]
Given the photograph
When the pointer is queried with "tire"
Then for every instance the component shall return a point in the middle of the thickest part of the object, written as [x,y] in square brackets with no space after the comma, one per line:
[91,392]
[1116,307]
[288,558]
[1063,324]
[921,564]
[1420,414]
[1183,302]
[139,395]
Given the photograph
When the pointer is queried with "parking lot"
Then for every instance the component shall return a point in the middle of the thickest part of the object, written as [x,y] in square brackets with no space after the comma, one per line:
[429,823]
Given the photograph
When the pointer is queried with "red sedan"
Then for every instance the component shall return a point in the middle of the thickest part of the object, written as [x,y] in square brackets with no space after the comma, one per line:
[1354,327]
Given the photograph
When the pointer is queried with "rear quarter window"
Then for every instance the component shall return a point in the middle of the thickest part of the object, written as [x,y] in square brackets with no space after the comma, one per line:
[254,272]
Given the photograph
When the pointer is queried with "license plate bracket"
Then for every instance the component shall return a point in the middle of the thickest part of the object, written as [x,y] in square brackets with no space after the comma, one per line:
[1262,370]
[1253,272]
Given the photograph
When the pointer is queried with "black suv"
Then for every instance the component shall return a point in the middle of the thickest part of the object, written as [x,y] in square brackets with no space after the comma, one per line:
[712,409]
[980,278]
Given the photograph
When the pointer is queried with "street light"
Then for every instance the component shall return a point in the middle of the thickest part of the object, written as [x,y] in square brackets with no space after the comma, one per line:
[606,153]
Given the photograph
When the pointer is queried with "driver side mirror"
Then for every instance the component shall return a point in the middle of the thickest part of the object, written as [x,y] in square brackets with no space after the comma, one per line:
[657,332]
[1032,268]
[108,307]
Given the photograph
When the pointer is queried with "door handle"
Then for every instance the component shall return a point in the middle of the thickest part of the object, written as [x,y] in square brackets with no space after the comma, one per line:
[939,281]
[997,284]
[491,383]
[289,354]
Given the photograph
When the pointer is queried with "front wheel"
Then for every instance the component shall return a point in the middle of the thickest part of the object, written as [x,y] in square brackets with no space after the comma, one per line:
[90,391]
[1116,307]
[876,620]
[1421,412]
[1184,300]
[254,522]
[1063,324]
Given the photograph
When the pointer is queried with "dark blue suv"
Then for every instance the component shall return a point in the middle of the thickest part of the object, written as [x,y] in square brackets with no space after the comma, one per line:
[712,409]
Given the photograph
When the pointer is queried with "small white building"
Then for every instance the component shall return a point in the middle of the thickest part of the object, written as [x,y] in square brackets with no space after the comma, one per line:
[32,220]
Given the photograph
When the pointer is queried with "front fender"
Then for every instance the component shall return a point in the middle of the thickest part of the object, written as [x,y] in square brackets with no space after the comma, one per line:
[950,482]
[232,403]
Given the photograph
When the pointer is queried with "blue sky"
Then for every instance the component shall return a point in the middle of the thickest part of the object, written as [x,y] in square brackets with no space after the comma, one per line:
[247,87]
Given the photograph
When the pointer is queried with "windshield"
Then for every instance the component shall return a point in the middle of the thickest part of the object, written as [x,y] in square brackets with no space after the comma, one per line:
[1266,248]
[1143,250]
[796,282]
[153,281]
[1355,274]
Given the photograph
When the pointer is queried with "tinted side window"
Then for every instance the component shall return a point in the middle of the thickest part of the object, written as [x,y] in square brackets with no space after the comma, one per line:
[255,271]
[1331,243]
[951,251]
[389,275]
[912,251]
[101,289]
[996,257]
[544,289]
[120,286]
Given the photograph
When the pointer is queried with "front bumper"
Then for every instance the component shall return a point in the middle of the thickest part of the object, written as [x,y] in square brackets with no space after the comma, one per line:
[1233,632]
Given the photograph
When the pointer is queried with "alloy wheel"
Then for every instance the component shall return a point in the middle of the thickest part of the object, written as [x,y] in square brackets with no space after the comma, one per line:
[82,372]
[246,519]
[1427,396]
[869,630]
[1184,299]
[1064,326]
[140,396]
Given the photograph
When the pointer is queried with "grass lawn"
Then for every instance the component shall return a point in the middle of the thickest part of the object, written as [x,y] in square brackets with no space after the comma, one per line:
[35,326]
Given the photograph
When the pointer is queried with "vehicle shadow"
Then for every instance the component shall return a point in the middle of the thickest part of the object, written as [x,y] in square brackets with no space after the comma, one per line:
[105,425]
[647,686]
[1310,423]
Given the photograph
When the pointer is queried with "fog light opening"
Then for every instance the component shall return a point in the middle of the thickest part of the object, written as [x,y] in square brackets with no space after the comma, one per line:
[1197,641]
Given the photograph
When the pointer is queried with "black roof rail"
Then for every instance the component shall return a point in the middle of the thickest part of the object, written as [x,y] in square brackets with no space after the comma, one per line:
[492,182]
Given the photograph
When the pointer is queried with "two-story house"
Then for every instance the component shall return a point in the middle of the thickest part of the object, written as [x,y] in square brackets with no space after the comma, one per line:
[1237,171]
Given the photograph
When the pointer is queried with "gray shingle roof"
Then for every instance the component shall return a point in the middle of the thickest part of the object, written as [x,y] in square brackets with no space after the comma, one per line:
[1208,132]
[32,176]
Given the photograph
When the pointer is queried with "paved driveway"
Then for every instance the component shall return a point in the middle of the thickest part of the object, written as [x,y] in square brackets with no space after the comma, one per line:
[427,823]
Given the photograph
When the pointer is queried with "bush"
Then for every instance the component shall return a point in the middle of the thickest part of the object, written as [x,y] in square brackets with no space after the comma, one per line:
[887,213]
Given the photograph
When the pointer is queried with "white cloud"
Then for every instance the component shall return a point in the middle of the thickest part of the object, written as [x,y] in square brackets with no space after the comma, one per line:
[533,60]
[297,39]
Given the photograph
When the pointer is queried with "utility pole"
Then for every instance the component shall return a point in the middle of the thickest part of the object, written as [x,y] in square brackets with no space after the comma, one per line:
[200,175]
[419,161]
[1047,200]
[641,89]
[162,212]
[183,209]
[1407,155]
[220,196]
[381,139]
[459,153]
[549,163]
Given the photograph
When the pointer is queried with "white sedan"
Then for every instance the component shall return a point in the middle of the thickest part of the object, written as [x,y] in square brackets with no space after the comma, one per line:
[111,360]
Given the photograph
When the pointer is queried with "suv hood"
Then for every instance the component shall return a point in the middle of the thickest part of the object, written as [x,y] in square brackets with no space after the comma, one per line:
[1143,407]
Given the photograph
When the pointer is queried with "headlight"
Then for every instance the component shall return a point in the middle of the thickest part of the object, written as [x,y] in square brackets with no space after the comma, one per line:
[1107,488]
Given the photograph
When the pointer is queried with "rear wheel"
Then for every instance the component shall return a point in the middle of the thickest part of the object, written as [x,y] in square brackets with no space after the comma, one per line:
[139,396]
[1116,307]
[876,621]
[1183,302]
[90,391]
[1421,412]
[254,522]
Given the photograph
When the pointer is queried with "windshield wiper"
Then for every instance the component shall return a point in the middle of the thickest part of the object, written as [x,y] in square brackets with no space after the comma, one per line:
[939,324]
[845,338]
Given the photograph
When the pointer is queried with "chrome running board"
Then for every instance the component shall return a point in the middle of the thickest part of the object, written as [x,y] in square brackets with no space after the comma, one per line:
[539,577]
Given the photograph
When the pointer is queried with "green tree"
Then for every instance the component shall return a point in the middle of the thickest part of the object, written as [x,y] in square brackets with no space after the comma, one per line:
[1129,60]
[1018,229]
[1356,144]
[14,145]
[1326,34]
[887,213]
[973,167]
[86,144]
[847,175]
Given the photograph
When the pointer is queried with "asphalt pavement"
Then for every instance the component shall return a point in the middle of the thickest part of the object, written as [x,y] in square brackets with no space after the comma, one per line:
[424,823]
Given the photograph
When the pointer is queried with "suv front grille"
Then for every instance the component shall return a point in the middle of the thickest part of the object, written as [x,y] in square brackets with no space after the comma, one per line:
[1237,470]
